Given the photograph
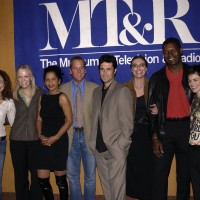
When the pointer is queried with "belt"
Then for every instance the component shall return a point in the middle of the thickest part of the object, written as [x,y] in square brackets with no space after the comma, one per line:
[174,119]
[2,138]
[78,129]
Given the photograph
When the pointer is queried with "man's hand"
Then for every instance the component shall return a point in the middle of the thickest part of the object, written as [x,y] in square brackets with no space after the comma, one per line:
[157,146]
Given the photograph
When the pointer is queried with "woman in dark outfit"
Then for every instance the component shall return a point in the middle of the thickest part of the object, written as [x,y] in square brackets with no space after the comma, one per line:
[53,121]
[140,157]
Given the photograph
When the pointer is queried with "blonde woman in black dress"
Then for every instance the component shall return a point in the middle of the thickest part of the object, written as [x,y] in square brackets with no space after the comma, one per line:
[54,119]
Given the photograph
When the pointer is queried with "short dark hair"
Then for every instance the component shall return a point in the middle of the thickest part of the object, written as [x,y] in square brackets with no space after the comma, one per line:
[141,57]
[56,70]
[172,40]
[109,59]
[77,58]
[195,69]
[7,91]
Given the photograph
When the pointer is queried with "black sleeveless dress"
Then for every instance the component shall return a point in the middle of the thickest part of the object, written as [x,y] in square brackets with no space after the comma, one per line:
[140,160]
[52,157]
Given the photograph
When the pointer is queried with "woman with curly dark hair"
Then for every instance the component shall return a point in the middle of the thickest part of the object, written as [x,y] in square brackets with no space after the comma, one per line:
[7,108]
[53,121]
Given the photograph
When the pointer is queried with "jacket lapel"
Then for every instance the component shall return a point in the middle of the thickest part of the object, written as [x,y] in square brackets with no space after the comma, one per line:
[109,92]
[86,96]
[69,93]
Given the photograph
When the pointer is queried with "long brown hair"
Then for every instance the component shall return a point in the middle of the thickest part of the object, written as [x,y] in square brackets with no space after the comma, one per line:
[7,91]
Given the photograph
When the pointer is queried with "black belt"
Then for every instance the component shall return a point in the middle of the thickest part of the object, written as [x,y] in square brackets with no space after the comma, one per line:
[78,129]
[2,138]
[173,119]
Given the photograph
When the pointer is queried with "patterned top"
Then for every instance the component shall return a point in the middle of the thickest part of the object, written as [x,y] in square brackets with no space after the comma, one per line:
[195,122]
[7,107]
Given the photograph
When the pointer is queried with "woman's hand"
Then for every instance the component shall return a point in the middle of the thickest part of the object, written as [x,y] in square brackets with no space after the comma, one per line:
[51,140]
[43,139]
[154,109]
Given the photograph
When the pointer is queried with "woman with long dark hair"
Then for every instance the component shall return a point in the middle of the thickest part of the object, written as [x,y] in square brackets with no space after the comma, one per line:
[7,108]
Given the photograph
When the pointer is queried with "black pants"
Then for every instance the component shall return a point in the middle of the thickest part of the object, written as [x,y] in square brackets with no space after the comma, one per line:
[175,142]
[23,154]
[195,170]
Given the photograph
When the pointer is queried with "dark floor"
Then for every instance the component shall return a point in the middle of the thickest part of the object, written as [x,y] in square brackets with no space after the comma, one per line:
[11,196]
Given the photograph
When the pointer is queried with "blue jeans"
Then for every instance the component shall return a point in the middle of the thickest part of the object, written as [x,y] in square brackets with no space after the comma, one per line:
[2,157]
[77,152]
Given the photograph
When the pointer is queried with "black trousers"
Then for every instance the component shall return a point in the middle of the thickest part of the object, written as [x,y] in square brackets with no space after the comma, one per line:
[23,154]
[175,142]
[195,170]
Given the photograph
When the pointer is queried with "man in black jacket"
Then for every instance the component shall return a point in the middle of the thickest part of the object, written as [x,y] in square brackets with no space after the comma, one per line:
[169,89]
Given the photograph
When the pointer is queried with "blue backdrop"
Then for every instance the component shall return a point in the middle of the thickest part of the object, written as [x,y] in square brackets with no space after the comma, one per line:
[50,32]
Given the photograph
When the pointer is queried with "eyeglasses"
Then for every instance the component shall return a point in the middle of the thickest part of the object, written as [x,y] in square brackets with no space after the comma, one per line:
[141,65]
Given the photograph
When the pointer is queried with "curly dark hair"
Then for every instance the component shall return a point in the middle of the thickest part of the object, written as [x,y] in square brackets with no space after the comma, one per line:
[55,69]
[195,69]
[7,92]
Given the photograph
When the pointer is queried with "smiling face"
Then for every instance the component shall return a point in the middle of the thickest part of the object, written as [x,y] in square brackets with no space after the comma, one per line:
[138,68]
[52,82]
[172,54]
[77,70]
[24,78]
[194,83]
[107,73]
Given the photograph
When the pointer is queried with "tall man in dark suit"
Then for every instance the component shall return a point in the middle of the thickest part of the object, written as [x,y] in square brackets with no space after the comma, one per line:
[112,127]
[169,90]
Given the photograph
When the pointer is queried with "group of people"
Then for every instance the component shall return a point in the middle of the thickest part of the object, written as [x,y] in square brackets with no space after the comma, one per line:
[130,131]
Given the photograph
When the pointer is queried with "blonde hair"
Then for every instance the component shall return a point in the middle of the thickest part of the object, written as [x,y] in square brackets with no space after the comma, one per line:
[18,87]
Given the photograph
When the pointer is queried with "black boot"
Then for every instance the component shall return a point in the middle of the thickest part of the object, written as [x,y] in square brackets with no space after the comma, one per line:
[62,186]
[46,188]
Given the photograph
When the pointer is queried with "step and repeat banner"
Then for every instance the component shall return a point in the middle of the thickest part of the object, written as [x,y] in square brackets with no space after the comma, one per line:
[50,32]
